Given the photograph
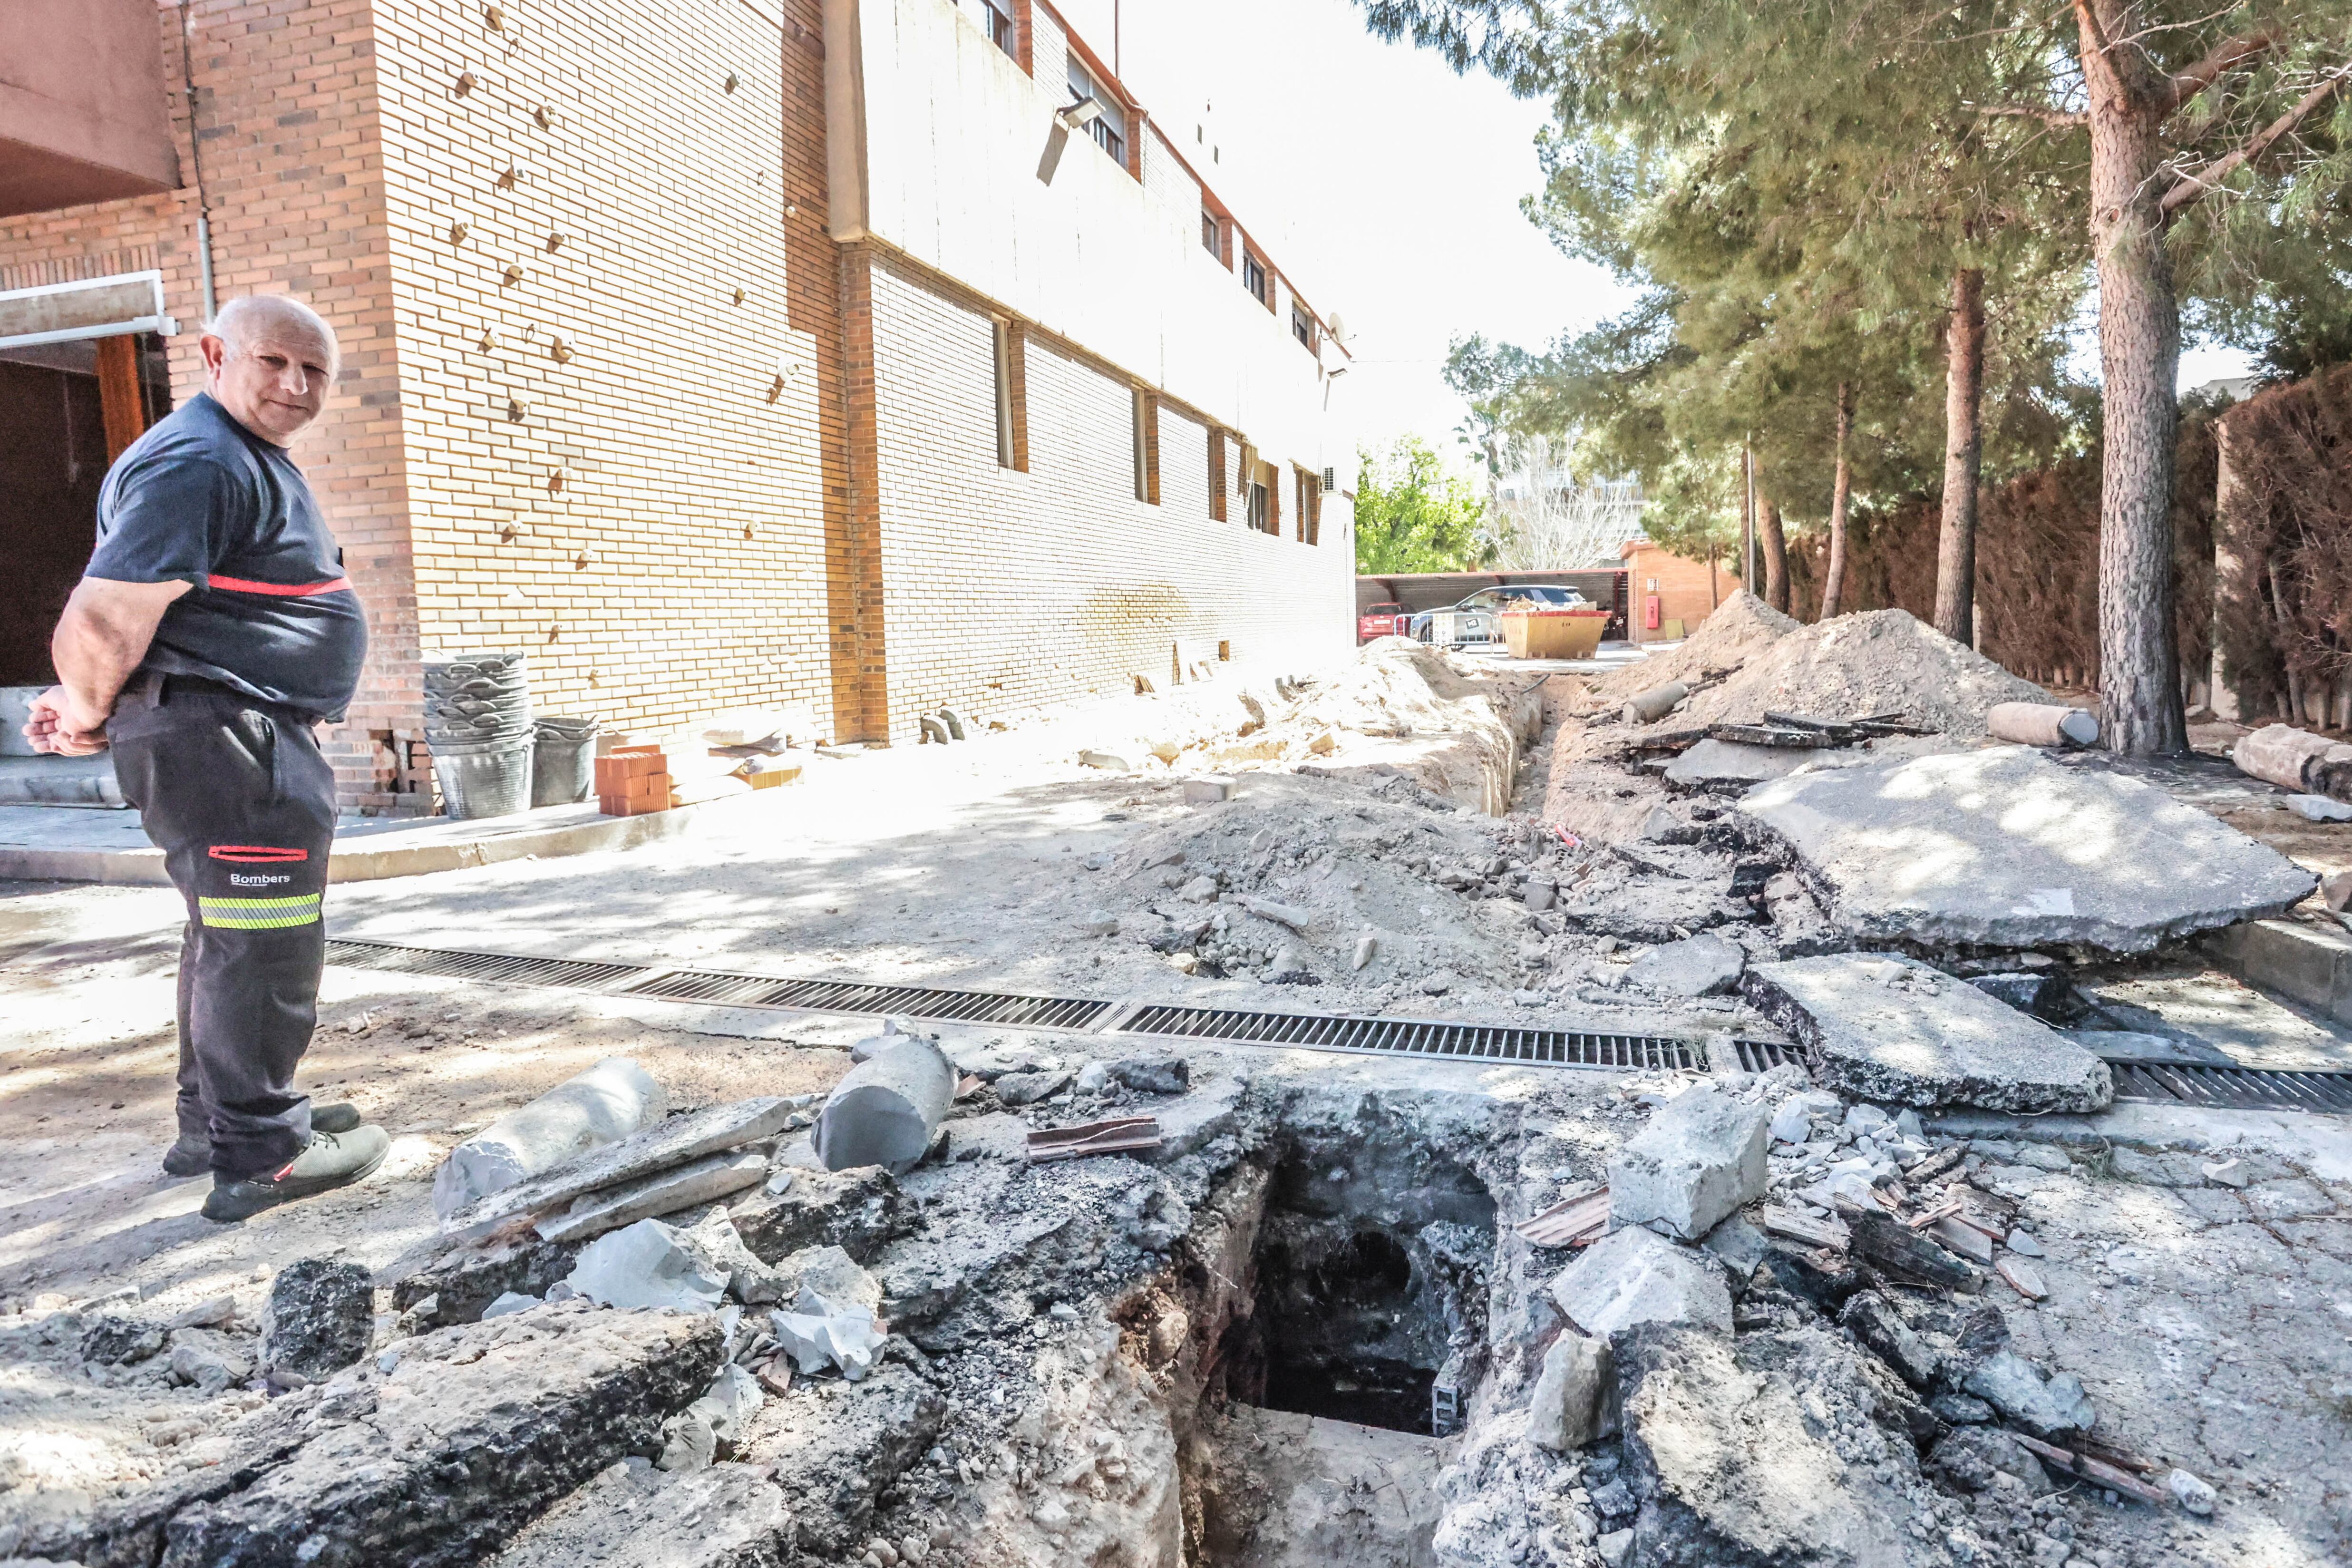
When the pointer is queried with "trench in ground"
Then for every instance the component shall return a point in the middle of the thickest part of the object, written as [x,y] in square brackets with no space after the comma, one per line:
[1360,1293]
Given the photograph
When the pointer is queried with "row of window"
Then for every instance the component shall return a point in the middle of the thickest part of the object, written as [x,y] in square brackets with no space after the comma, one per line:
[1255,280]
[1259,482]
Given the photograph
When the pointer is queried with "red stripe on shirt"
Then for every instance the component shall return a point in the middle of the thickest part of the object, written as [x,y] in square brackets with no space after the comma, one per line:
[280,590]
[257,854]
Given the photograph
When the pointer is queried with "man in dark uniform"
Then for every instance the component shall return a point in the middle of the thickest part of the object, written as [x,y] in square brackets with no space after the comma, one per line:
[211,629]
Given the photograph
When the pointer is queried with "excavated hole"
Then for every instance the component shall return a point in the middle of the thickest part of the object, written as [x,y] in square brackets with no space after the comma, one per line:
[1345,1279]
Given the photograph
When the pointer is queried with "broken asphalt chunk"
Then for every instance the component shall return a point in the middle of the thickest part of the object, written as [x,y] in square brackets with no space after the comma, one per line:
[2004,848]
[1882,1027]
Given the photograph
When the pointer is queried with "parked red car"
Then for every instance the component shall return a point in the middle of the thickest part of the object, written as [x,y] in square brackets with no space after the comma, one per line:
[1380,621]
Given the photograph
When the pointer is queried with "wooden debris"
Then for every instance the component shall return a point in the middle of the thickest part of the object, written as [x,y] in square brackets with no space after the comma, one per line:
[1884,1243]
[2083,1467]
[1965,1240]
[1934,1165]
[1120,1135]
[1577,1221]
[1766,735]
[1921,1222]
[1792,1226]
[2022,1277]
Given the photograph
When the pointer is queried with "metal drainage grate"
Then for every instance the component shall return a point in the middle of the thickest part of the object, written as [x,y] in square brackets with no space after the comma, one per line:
[578,974]
[843,996]
[2249,1089]
[1405,1036]
[1763,1055]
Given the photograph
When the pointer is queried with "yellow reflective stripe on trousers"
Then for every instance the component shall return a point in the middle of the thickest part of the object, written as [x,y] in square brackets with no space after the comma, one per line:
[260,914]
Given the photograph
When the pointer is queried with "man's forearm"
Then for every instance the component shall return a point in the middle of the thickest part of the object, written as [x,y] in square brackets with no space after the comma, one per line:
[104,633]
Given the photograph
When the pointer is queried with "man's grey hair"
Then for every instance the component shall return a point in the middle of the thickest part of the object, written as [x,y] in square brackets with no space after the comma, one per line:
[242,322]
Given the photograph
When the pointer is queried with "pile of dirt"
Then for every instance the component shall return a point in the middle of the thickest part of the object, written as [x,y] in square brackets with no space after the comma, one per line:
[1882,661]
[1741,627]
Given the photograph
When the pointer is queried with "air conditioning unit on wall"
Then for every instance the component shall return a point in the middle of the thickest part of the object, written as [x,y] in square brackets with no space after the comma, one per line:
[1331,479]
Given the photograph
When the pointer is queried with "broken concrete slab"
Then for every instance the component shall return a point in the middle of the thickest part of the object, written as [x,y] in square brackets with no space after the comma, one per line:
[1882,1027]
[836,1456]
[1701,1158]
[457,1286]
[1698,965]
[1636,1276]
[1161,1072]
[1732,764]
[1731,1471]
[707,1179]
[337,1474]
[1575,1398]
[2004,848]
[2054,1408]
[631,1515]
[648,1264]
[319,1319]
[659,1147]
[861,1211]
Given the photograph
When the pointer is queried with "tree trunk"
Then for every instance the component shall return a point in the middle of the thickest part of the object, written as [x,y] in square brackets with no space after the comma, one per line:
[1776,554]
[2139,359]
[1834,579]
[1956,552]
[2239,548]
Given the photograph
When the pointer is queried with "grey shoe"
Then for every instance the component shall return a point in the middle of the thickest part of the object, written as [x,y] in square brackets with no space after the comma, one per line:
[333,1159]
[192,1156]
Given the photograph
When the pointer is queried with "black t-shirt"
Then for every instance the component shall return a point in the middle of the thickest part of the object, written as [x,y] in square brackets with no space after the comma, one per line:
[199,498]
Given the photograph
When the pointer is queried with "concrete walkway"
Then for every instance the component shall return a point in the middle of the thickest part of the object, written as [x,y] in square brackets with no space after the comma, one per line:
[50,843]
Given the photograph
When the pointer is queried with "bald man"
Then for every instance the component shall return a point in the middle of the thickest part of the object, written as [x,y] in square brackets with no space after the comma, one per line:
[212,630]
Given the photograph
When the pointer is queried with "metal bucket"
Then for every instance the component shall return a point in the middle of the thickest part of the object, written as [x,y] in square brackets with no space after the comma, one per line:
[493,782]
[564,759]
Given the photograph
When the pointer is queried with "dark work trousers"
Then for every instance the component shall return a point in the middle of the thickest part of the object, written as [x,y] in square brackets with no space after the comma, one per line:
[237,795]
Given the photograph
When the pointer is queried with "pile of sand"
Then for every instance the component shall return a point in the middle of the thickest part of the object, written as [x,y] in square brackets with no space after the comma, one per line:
[1879,661]
[1741,627]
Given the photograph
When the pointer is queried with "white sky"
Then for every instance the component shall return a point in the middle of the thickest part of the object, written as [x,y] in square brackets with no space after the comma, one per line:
[1387,188]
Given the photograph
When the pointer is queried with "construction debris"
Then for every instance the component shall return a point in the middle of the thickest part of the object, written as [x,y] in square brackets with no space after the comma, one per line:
[2041,724]
[2296,759]
[1699,965]
[1636,1276]
[1700,1159]
[1120,1135]
[603,1105]
[2002,847]
[320,1319]
[885,1110]
[1577,1221]
[1893,1030]
[647,1264]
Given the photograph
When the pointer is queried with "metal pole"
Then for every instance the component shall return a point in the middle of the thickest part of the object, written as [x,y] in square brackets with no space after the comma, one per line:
[196,162]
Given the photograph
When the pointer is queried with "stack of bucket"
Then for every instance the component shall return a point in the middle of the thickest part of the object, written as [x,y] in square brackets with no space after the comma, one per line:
[477,723]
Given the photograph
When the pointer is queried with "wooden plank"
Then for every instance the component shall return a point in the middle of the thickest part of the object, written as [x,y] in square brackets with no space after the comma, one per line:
[1933,1166]
[2084,1468]
[2023,1278]
[1799,1227]
[1576,1220]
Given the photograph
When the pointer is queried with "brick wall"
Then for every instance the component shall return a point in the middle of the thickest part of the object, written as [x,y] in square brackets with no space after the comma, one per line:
[1006,590]
[652,528]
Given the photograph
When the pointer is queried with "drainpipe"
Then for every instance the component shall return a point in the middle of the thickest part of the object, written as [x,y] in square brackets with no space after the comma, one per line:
[196,160]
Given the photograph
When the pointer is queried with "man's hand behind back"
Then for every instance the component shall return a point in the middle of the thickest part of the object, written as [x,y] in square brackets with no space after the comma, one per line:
[63,727]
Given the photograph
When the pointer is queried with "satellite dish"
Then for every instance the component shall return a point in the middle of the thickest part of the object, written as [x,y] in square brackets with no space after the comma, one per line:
[1338,328]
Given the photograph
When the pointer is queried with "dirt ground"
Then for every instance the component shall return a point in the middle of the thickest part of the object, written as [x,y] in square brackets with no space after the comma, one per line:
[2211,1326]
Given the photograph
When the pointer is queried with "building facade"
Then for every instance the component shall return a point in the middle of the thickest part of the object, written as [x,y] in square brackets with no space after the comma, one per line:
[869,354]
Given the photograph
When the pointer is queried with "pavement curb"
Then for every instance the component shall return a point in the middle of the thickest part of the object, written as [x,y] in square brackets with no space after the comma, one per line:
[360,860]
[2309,964]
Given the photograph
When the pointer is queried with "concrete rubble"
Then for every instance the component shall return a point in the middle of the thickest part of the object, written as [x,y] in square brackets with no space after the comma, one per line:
[2002,847]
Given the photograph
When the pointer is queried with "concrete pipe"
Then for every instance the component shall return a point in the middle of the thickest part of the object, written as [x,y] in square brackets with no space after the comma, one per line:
[885,1111]
[1654,704]
[2042,724]
[2290,758]
[603,1105]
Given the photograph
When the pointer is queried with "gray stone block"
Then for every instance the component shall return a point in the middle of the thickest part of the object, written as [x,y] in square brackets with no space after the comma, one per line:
[1700,965]
[1701,1158]
[1575,1400]
[2003,848]
[1636,1276]
[1886,1029]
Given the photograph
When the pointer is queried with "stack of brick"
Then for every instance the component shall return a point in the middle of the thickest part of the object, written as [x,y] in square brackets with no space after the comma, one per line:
[632,780]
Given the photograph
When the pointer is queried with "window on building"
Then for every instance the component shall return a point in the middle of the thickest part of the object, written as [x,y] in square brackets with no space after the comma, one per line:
[1145,439]
[1109,127]
[1310,507]
[998,20]
[1258,506]
[1217,483]
[1253,280]
[1208,232]
[1012,416]
[1302,326]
